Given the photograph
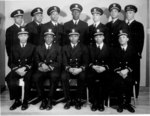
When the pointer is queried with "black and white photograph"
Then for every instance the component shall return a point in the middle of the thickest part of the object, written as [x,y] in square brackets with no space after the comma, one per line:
[74,57]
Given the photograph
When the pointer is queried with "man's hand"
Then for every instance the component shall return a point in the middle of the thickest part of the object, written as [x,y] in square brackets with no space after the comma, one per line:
[98,69]
[71,70]
[76,71]
[123,73]
[21,71]
[45,67]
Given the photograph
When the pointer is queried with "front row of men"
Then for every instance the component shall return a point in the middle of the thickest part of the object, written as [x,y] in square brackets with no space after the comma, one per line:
[98,66]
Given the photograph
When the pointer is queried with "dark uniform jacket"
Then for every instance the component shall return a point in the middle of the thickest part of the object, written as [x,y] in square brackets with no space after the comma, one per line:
[75,57]
[50,57]
[136,35]
[100,57]
[58,30]
[11,37]
[22,56]
[92,29]
[34,33]
[114,29]
[82,27]
[123,59]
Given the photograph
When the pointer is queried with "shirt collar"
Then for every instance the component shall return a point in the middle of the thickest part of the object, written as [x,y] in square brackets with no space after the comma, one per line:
[37,23]
[129,22]
[48,45]
[23,44]
[72,45]
[75,21]
[54,23]
[114,20]
[124,47]
[97,23]
[17,25]
[101,45]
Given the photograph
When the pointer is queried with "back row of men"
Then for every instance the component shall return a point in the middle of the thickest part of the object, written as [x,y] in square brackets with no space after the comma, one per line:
[74,60]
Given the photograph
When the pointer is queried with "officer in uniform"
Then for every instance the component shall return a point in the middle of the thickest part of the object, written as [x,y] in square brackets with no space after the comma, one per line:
[123,62]
[82,26]
[34,27]
[75,61]
[136,33]
[57,28]
[115,25]
[12,31]
[98,77]
[97,13]
[21,61]
[48,59]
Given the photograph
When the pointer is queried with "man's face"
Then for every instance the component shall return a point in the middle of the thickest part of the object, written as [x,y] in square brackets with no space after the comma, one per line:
[18,20]
[130,15]
[38,17]
[76,14]
[99,39]
[49,39]
[96,17]
[54,16]
[114,13]
[74,38]
[123,39]
[23,38]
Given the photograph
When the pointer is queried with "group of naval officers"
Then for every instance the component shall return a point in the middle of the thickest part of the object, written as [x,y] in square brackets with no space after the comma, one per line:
[100,57]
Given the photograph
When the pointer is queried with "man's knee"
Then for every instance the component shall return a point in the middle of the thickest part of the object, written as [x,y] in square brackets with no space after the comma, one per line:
[64,76]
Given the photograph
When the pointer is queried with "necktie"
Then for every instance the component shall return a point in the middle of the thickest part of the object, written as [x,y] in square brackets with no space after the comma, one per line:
[75,23]
[123,49]
[49,47]
[74,45]
[23,45]
[95,25]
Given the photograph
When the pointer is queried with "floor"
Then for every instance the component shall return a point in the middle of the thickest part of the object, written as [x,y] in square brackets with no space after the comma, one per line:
[142,107]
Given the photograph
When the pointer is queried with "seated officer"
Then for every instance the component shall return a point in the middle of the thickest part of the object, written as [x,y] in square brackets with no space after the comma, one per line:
[75,61]
[99,69]
[20,63]
[48,58]
[123,62]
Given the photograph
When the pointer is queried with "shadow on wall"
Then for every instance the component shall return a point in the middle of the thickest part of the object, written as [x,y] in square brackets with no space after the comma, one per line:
[2,52]
[27,17]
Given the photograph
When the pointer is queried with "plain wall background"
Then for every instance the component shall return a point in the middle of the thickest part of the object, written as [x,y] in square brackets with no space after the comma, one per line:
[65,15]
[2,46]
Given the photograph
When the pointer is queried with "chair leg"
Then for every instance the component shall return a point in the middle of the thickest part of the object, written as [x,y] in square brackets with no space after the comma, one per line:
[108,102]
[134,95]
[21,83]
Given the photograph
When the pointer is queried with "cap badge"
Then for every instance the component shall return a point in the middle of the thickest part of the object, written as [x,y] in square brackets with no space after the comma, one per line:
[73,30]
[55,8]
[38,10]
[49,30]
[94,10]
[76,6]
[19,12]
[114,5]
[22,29]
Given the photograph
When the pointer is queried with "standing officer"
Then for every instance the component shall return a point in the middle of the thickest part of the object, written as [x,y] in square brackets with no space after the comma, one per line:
[123,62]
[12,31]
[34,27]
[98,77]
[57,28]
[136,33]
[97,13]
[48,59]
[115,25]
[21,61]
[75,61]
[82,26]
